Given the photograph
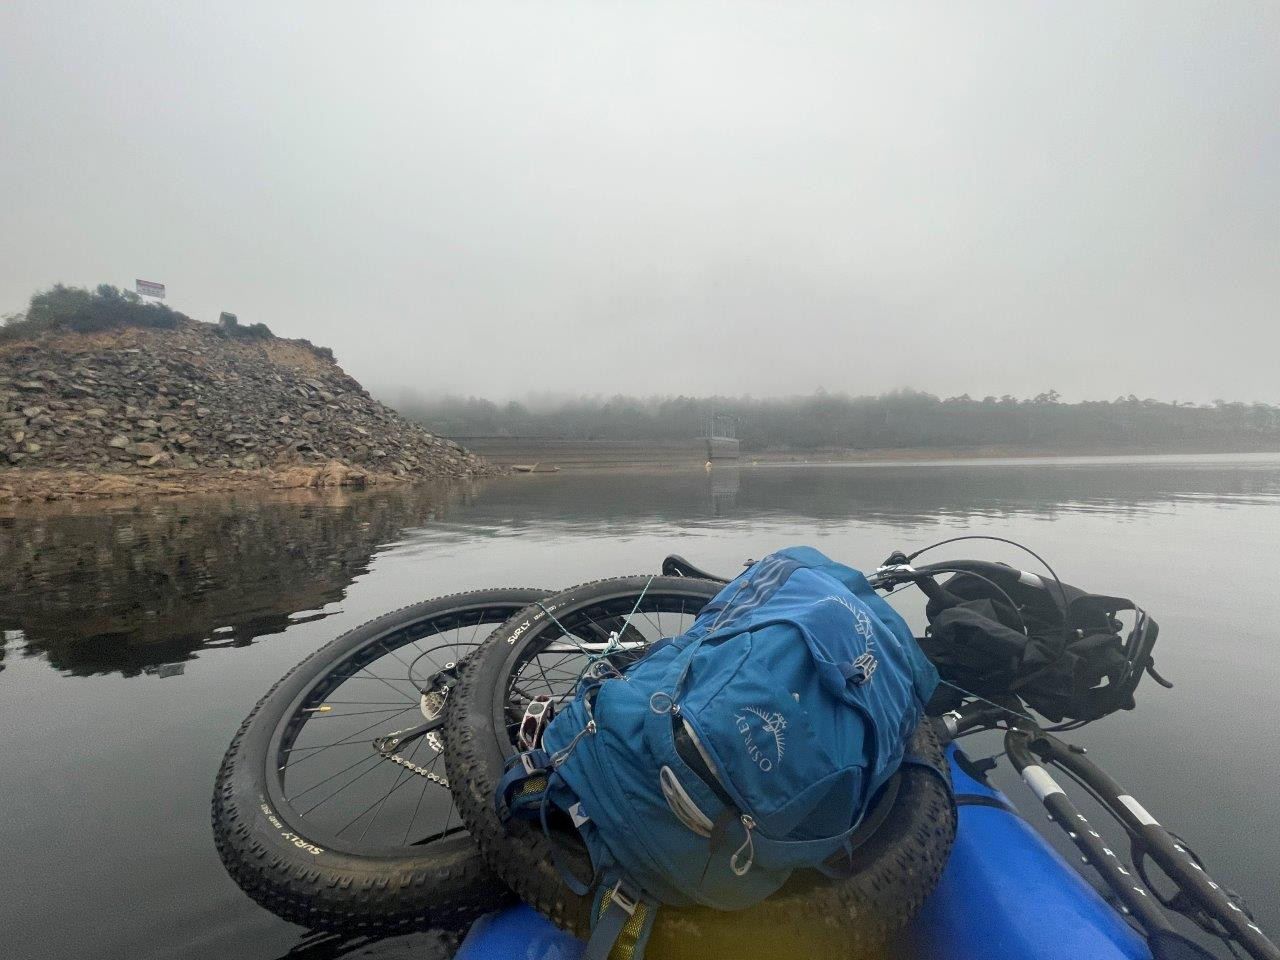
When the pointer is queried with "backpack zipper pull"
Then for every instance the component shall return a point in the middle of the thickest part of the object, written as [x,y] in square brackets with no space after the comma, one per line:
[561,755]
[748,824]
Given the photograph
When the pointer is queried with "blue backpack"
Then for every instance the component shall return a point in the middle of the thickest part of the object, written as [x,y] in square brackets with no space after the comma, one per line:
[734,754]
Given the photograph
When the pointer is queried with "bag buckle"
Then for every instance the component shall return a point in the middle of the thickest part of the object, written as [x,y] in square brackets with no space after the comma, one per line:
[623,899]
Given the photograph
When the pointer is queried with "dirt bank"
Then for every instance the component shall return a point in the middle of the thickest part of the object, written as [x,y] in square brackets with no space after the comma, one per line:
[191,409]
[49,486]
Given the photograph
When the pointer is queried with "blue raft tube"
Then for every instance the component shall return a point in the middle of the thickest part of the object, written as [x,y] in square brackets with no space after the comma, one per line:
[998,866]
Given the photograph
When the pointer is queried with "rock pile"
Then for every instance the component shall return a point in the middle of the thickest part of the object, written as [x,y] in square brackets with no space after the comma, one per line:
[139,400]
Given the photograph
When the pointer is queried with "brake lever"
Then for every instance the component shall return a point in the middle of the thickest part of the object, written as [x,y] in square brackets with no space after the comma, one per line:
[890,575]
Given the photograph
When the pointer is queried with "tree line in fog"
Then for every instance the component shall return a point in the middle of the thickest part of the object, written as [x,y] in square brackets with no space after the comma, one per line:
[905,418]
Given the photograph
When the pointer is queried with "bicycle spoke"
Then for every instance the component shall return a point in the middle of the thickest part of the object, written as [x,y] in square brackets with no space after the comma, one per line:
[342,742]
[455,654]
[538,661]
[404,772]
[345,799]
[565,658]
[447,818]
[354,713]
[365,759]
[414,817]
[330,796]
[353,820]
[656,626]
[364,703]
[441,835]
[557,672]
[394,654]
[413,640]
[384,680]
[369,676]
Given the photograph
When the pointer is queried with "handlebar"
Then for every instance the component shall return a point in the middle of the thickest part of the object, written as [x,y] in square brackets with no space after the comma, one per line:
[897,570]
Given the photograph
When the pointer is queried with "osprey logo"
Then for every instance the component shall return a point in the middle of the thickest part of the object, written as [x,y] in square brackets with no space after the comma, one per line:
[862,624]
[865,664]
[754,724]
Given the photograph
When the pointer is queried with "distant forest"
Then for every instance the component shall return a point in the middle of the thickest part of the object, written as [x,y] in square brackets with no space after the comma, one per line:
[901,419]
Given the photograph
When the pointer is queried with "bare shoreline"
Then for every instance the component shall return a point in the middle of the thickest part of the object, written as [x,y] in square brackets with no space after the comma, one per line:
[27,487]
[583,460]
[993,452]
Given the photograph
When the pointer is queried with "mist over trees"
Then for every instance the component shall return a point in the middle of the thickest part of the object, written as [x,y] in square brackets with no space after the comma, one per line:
[904,418]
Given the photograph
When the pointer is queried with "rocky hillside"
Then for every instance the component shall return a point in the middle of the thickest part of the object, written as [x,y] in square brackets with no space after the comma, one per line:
[136,400]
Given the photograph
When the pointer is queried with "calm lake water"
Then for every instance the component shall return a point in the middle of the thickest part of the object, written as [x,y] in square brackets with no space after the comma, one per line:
[137,638]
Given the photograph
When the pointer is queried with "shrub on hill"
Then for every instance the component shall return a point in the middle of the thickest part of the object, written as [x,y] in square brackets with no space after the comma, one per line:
[229,326]
[62,308]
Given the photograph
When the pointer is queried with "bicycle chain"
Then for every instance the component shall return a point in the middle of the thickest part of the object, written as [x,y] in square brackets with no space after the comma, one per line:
[414,768]
[435,701]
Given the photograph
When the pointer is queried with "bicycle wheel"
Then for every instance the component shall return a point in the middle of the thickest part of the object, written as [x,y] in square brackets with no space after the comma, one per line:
[531,655]
[331,808]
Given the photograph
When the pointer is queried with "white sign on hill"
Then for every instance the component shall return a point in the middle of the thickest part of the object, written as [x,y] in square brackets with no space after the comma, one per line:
[149,289]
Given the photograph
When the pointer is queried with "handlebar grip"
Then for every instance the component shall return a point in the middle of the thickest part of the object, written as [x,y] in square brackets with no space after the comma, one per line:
[984,567]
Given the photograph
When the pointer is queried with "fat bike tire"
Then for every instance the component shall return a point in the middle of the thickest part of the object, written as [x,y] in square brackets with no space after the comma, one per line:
[894,871]
[271,851]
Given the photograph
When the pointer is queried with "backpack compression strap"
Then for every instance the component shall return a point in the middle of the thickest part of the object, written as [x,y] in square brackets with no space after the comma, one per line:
[620,919]
[620,925]
[523,785]
[840,866]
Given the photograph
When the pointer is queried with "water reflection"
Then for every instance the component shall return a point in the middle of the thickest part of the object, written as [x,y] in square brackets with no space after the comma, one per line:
[894,495]
[143,590]
[140,588]
[428,945]
[725,483]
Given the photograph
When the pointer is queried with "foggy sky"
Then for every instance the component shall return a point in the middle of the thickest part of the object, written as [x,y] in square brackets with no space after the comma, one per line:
[685,198]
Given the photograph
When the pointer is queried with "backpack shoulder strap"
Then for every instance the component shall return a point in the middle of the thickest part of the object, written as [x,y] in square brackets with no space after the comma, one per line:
[621,921]
[523,785]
